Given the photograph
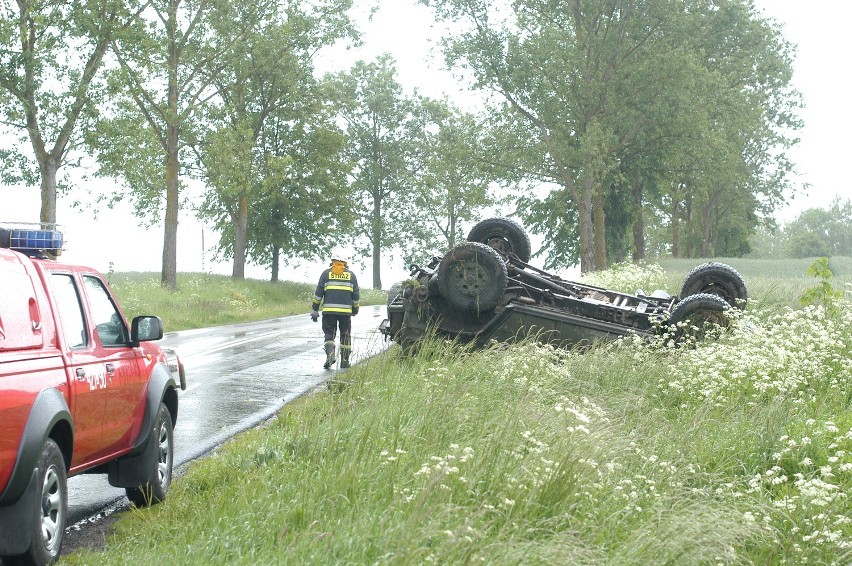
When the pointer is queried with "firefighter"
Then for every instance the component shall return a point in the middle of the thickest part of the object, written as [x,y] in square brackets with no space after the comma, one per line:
[338,293]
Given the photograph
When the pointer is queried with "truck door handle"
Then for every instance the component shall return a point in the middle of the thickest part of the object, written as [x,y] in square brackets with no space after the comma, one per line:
[110,369]
[81,374]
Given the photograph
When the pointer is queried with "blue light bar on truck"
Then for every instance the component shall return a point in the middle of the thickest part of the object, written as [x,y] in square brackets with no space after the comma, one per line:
[32,238]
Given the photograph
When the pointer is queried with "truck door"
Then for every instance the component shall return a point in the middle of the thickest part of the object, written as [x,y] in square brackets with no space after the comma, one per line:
[86,374]
[125,372]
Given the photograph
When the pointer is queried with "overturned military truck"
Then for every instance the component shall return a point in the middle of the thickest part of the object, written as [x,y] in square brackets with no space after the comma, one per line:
[485,290]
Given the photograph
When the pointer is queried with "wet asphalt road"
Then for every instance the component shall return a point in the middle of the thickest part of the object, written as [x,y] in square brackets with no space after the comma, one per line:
[237,376]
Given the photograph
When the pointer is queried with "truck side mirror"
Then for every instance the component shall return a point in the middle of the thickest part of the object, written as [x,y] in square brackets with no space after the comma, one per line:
[145,328]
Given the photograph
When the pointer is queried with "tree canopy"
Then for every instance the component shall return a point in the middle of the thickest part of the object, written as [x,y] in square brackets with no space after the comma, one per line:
[690,101]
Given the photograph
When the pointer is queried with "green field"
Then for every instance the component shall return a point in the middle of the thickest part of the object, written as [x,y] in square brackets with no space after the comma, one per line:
[735,451]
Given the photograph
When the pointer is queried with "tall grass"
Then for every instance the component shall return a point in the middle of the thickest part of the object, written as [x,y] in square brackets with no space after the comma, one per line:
[202,300]
[733,451]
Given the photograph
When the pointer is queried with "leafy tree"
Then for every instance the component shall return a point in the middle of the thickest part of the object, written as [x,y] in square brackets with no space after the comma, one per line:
[602,82]
[381,127]
[821,232]
[159,90]
[311,208]
[767,242]
[567,69]
[451,179]
[268,78]
[50,55]
[300,198]
[742,118]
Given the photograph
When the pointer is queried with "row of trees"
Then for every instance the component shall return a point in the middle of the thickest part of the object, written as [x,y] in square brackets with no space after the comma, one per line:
[616,119]
[816,232]
[639,112]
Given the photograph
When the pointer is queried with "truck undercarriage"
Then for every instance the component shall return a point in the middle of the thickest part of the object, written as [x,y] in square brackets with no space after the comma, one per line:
[485,290]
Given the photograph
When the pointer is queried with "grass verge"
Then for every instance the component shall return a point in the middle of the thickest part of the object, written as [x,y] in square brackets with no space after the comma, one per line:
[734,451]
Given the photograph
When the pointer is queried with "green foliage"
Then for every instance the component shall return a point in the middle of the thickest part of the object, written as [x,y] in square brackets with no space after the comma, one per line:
[815,232]
[50,59]
[822,293]
[274,158]
[635,109]
[807,244]
[821,232]
[382,130]
[450,186]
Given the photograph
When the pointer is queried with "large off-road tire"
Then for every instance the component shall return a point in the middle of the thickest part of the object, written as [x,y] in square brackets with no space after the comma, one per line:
[697,314]
[472,277]
[160,474]
[716,279]
[51,511]
[504,235]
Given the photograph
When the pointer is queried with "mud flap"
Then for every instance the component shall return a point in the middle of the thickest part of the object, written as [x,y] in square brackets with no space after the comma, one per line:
[132,471]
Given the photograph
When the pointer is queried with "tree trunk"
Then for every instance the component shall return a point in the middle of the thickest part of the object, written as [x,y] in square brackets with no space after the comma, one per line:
[639,223]
[48,170]
[376,238]
[168,277]
[706,239]
[599,231]
[452,228]
[275,263]
[584,211]
[238,270]
[675,227]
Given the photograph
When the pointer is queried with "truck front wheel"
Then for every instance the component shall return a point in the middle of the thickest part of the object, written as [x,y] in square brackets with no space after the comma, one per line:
[160,471]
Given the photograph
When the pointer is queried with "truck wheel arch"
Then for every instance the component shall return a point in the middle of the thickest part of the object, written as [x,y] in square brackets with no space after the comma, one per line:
[49,417]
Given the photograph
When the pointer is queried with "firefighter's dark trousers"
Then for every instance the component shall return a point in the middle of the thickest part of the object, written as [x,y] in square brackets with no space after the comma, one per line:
[330,324]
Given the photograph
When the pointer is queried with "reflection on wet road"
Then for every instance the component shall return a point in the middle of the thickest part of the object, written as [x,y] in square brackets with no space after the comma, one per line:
[237,376]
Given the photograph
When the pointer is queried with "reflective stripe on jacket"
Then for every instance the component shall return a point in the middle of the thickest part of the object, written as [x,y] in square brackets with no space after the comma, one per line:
[338,293]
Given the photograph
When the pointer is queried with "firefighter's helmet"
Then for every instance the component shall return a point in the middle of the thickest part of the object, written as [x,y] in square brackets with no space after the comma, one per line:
[339,254]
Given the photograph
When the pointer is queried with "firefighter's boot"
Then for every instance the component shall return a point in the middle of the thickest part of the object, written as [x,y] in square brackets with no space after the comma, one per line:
[344,355]
[329,355]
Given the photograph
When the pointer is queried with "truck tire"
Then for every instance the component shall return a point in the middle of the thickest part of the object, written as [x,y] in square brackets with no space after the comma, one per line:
[691,316]
[160,473]
[716,279]
[504,235]
[51,511]
[472,278]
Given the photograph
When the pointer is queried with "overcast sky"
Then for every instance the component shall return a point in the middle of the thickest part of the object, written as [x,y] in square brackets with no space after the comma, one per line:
[402,28]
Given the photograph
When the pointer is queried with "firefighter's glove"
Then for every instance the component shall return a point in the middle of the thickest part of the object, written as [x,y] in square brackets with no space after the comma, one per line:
[314,316]
[354,311]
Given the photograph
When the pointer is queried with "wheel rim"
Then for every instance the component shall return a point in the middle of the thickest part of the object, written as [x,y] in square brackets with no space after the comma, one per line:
[501,244]
[52,513]
[720,290]
[468,279]
[164,462]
